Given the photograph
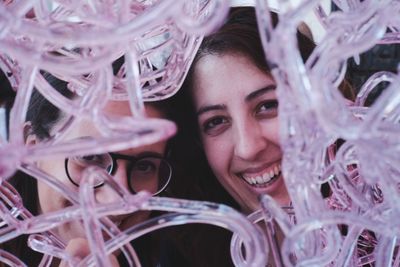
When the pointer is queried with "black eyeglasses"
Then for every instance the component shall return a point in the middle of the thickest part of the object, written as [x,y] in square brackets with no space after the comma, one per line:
[143,173]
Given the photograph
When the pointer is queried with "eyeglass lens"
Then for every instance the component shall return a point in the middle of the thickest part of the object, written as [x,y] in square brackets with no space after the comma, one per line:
[150,174]
[76,166]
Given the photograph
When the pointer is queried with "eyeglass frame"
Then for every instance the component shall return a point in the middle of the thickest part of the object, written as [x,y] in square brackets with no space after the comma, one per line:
[132,160]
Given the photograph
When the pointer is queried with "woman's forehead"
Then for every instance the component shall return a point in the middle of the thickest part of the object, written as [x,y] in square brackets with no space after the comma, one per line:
[85,127]
[227,76]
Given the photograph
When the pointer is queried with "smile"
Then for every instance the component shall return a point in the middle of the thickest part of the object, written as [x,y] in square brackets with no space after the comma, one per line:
[263,179]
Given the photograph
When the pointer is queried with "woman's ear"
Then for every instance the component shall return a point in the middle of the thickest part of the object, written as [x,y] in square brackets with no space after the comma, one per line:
[29,137]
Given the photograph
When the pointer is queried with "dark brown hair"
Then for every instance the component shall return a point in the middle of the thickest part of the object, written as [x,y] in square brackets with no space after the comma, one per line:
[238,35]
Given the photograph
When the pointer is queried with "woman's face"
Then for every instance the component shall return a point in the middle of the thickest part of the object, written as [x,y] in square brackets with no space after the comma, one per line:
[51,200]
[237,111]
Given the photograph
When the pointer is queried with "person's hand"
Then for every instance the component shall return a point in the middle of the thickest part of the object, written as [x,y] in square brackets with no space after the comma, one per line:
[79,248]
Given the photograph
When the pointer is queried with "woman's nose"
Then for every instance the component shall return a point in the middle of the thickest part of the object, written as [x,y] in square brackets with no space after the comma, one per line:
[108,194]
[249,140]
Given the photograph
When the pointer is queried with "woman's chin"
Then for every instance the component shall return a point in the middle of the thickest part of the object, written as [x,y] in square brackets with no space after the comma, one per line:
[275,188]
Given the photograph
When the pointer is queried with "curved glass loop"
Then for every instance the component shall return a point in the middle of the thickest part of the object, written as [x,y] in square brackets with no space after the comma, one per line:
[328,142]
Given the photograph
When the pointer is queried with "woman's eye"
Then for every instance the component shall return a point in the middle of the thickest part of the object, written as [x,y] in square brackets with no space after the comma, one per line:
[145,166]
[97,160]
[89,158]
[268,108]
[214,125]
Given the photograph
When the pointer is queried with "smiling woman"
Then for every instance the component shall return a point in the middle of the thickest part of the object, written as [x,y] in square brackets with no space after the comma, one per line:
[233,102]
[237,116]
[227,116]
[228,112]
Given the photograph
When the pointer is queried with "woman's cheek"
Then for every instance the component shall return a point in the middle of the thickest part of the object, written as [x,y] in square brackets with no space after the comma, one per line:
[47,198]
[216,155]
[271,130]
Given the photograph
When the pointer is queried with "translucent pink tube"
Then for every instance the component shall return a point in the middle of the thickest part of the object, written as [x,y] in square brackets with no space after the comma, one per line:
[78,41]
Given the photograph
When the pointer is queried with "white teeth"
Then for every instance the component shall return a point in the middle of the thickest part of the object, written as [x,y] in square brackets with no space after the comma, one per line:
[265,178]
[249,180]
[276,170]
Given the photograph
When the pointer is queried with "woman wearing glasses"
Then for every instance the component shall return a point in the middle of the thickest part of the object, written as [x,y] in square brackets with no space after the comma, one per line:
[143,168]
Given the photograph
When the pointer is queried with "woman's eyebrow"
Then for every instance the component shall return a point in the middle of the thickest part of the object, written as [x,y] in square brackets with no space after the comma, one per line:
[210,108]
[260,92]
[248,98]
[139,155]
